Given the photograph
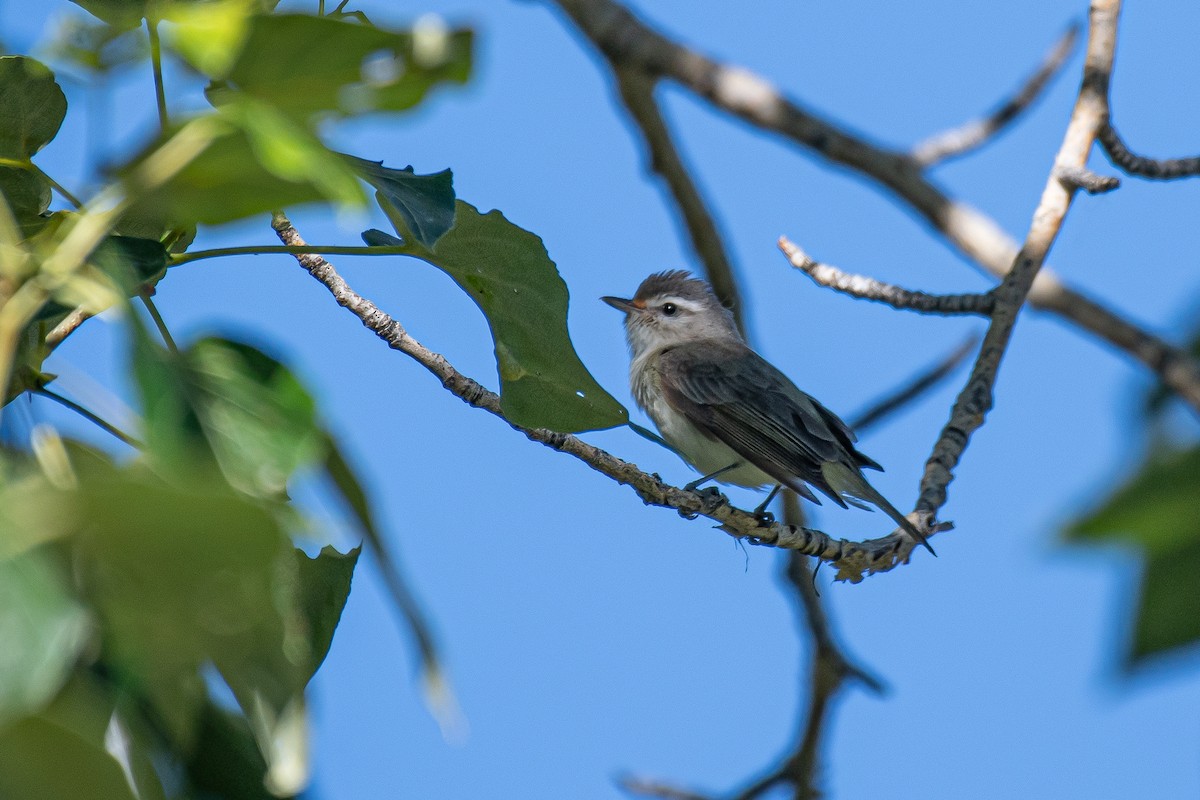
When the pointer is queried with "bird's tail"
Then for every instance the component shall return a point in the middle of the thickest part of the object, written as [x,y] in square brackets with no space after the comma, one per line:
[849,481]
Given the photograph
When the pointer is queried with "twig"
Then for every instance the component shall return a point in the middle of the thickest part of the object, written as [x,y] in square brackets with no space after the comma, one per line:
[922,383]
[626,40]
[69,325]
[159,322]
[1165,169]
[854,560]
[637,93]
[648,787]
[870,289]
[976,398]
[974,134]
[1084,178]
[100,422]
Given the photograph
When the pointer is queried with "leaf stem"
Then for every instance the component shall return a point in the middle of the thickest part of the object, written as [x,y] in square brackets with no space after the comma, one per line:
[29,166]
[160,95]
[88,415]
[158,321]
[258,250]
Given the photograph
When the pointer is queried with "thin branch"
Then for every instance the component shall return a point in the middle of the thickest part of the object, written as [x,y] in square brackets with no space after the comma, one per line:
[159,322]
[69,325]
[626,40]
[648,787]
[270,249]
[854,559]
[976,398]
[1165,169]
[910,391]
[978,132]
[100,422]
[637,93]
[160,95]
[1084,178]
[870,289]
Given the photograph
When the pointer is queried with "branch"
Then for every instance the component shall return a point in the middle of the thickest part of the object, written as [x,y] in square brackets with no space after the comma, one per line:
[976,133]
[976,398]
[1084,178]
[1155,169]
[870,289]
[637,93]
[910,391]
[626,40]
[854,559]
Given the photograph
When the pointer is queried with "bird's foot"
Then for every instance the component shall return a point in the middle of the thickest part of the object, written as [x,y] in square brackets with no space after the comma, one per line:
[764,518]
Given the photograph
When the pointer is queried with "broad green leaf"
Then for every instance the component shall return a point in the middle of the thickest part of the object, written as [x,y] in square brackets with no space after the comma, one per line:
[209,35]
[262,161]
[43,629]
[225,762]
[258,417]
[32,107]
[1158,511]
[426,202]
[509,275]
[46,757]
[1168,615]
[324,588]
[361,67]
[121,14]
[26,192]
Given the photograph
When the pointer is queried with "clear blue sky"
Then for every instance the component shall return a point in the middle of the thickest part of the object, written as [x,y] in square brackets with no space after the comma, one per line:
[587,635]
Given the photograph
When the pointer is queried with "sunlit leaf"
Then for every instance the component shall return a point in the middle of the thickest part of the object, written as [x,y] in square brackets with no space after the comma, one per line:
[32,107]
[262,161]
[425,202]
[1156,511]
[362,67]
[43,630]
[507,272]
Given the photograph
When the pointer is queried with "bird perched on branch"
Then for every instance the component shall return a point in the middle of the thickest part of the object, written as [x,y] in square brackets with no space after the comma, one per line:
[727,411]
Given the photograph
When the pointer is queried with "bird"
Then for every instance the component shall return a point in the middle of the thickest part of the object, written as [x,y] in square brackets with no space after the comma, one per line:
[730,413]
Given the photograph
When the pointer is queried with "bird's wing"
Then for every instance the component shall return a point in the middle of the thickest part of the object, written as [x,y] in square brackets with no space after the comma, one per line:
[739,398]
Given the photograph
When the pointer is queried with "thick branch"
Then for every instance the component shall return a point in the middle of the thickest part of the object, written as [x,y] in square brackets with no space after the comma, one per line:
[1165,169]
[626,40]
[854,560]
[976,398]
[637,93]
[976,133]
[870,289]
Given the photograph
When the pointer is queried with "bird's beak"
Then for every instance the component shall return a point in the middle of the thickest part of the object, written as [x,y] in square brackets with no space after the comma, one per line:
[621,304]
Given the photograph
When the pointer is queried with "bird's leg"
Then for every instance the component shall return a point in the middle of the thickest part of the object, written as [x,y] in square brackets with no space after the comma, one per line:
[691,487]
[763,516]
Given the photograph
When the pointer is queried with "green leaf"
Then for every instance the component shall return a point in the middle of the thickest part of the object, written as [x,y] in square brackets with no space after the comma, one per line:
[45,758]
[121,14]
[425,202]
[43,629]
[26,192]
[1168,614]
[324,588]
[361,67]
[509,275]
[1157,512]
[262,161]
[225,762]
[32,107]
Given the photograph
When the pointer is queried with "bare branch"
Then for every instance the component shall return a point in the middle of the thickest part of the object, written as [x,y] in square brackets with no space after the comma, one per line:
[976,398]
[855,560]
[1084,178]
[870,289]
[1155,169]
[69,325]
[637,93]
[976,133]
[626,40]
[648,787]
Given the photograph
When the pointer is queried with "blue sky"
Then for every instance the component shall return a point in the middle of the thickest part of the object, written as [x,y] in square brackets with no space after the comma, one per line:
[587,635]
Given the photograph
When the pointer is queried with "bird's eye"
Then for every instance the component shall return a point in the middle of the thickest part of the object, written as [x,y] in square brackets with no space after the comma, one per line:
[669,309]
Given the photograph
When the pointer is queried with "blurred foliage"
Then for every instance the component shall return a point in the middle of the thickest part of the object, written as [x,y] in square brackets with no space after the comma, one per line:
[160,623]
[1157,512]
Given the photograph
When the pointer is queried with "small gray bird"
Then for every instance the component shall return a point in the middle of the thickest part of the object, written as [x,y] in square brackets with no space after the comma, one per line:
[726,410]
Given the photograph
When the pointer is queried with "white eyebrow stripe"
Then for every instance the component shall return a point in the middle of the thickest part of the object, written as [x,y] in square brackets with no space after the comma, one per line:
[682,302]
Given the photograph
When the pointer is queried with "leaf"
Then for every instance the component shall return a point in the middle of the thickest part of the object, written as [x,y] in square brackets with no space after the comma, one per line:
[225,762]
[32,107]
[324,584]
[509,275]
[261,161]
[361,67]
[26,192]
[121,14]
[425,202]
[1157,512]
[43,629]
